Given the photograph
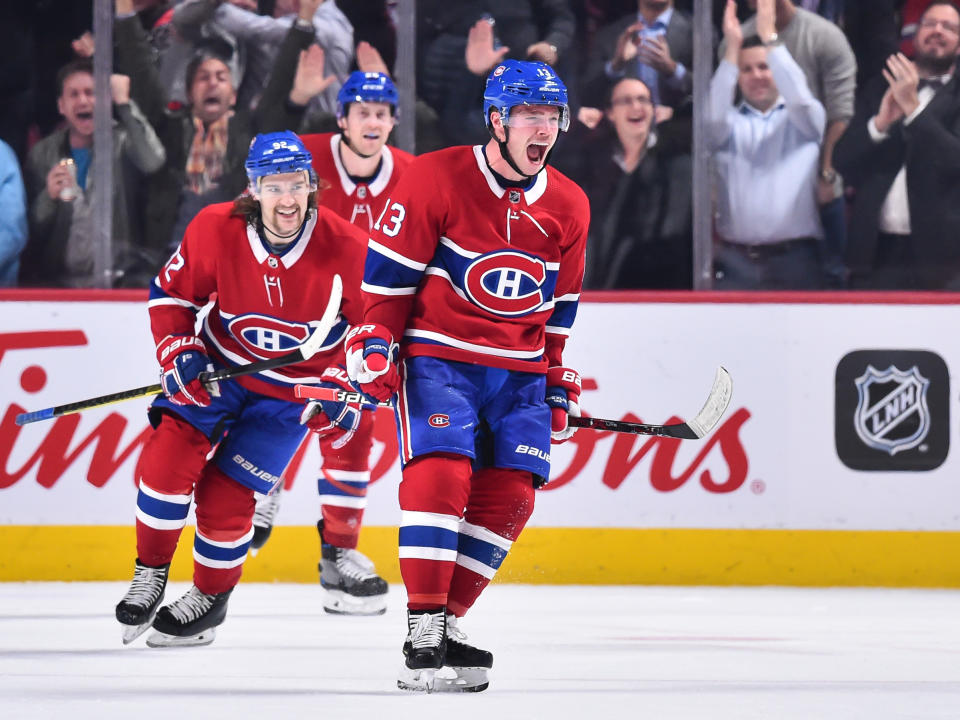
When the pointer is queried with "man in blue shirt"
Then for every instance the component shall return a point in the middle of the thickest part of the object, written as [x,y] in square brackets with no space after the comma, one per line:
[766,151]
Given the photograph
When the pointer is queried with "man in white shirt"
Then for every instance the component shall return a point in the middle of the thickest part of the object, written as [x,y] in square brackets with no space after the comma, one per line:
[766,152]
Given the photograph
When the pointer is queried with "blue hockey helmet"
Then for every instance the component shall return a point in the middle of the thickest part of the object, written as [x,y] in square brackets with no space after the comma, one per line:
[524,82]
[276,153]
[367,87]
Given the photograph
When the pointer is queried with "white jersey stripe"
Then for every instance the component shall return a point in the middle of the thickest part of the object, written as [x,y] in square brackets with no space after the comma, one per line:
[395,256]
[473,347]
[381,290]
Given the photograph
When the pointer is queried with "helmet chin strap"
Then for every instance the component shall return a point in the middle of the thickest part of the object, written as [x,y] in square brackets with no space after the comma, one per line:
[346,139]
[505,153]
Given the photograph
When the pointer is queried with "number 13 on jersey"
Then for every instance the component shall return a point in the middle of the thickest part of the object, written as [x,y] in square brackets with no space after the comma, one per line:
[397,213]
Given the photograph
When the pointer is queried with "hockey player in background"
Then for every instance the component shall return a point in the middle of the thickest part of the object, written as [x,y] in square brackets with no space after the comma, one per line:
[359,172]
[475,265]
[269,259]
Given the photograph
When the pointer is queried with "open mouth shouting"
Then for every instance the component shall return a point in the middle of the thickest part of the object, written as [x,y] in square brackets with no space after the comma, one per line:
[537,152]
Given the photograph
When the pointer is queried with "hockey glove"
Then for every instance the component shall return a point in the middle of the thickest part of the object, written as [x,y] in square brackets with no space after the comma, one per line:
[563,397]
[372,361]
[182,358]
[331,418]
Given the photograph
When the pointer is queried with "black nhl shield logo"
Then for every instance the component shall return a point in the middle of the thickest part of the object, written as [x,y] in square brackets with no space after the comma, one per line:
[892,410]
[362,192]
[514,196]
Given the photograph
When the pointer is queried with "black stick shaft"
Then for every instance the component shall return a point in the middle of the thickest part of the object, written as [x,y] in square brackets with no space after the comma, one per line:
[205,377]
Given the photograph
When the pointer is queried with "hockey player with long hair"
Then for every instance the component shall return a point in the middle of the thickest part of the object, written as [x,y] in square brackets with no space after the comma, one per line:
[472,280]
[359,171]
[268,261]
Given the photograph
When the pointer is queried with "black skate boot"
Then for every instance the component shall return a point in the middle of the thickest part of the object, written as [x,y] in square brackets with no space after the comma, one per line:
[350,580]
[264,516]
[139,606]
[190,620]
[469,663]
[424,649]
[464,666]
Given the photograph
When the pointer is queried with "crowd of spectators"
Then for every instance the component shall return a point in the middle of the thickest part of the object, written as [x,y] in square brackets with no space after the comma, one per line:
[832,126]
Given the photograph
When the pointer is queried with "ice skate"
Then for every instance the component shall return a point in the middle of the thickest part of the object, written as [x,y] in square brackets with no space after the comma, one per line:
[464,666]
[139,606]
[424,650]
[350,581]
[191,620]
[264,516]
[468,662]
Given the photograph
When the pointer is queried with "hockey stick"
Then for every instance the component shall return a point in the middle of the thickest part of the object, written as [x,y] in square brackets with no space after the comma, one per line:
[304,352]
[704,422]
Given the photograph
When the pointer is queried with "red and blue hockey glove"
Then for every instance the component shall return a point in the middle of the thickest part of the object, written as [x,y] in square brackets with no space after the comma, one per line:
[563,397]
[332,418]
[372,361]
[182,358]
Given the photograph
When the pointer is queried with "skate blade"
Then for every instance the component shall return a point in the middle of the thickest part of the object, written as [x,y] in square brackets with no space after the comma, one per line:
[337,602]
[445,680]
[161,640]
[132,632]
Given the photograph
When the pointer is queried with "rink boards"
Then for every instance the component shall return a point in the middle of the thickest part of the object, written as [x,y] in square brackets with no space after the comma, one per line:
[834,465]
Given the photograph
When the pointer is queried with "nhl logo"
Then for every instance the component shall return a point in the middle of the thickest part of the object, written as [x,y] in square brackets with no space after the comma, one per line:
[273,262]
[514,196]
[892,413]
[362,192]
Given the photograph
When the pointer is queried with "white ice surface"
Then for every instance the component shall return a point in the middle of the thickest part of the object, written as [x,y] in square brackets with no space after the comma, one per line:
[560,652]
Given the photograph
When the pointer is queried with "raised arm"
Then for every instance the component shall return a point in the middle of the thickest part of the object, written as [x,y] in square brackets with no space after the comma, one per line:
[804,110]
[141,143]
[134,59]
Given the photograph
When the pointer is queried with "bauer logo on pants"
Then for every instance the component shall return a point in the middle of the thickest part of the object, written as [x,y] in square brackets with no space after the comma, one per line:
[892,410]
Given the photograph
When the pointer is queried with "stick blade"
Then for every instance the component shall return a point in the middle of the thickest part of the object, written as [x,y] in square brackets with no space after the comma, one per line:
[716,405]
[323,328]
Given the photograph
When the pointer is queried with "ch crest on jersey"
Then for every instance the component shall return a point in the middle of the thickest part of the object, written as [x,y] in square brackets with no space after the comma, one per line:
[506,282]
[892,413]
[267,337]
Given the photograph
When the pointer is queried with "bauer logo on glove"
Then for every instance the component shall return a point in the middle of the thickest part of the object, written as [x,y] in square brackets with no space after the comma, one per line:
[182,359]
[563,397]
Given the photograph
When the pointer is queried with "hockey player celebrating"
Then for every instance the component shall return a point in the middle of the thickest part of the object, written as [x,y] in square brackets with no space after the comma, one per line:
[270,259]
[475,264]
[360,171]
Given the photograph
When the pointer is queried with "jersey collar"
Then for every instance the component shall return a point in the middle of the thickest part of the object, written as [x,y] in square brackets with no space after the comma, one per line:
[380,182]
[531,195]
[289,257]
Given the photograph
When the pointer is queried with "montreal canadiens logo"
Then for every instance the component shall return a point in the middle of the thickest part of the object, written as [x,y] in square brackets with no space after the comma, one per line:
[267,337]
[506,282]
[439,420]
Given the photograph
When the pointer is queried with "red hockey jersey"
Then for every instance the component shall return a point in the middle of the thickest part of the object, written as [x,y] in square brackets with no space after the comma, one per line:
[467,270]
[360,203]
[264,304]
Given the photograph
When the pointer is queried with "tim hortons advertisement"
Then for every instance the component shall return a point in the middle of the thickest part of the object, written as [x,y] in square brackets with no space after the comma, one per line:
[784,456]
